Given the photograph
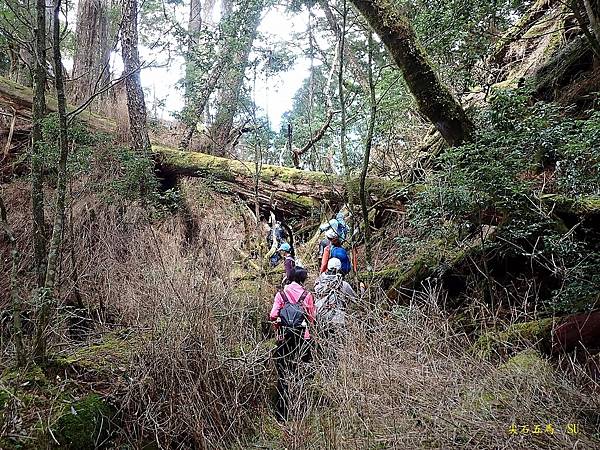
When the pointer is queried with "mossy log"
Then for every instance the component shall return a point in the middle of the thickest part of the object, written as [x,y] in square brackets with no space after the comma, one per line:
[291,191]
[551,336]
[517,336]
[582,207]
[438,259]
[19,98]
[562,67]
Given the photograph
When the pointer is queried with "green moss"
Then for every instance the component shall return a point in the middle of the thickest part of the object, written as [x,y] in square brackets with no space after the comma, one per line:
[534,332]
[106,357]
[497,390]
[300,200]
[577,206]
[28,376]
[85,423]
[528,361]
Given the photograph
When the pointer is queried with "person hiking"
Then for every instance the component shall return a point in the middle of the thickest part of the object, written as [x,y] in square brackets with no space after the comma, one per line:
[277,236]
[332,295]
[335,250]
[292,312]
[285,252]
[338,226]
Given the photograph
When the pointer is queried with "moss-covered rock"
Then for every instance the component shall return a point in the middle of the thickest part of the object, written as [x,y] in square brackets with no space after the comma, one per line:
[84,424]
[106,357]
[537,332]
[522,372]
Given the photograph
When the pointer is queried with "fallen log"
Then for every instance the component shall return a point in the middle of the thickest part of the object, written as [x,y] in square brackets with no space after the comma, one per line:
[292,192]
[19,98]
[551,336]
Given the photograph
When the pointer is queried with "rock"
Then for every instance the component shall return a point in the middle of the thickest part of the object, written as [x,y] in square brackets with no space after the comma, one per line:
[84,424]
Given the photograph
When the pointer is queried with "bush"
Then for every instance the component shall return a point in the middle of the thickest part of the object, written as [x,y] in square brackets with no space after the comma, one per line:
[521,152]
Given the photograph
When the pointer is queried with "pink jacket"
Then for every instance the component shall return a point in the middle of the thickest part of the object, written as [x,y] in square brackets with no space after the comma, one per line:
[294,291]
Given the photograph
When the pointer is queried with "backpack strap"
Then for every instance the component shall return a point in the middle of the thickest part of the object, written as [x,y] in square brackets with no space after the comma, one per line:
[286,300]
[283,297]
[302,297]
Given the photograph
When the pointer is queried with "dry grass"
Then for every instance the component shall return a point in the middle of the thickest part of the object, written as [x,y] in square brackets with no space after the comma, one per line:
[407,380]
[202,377]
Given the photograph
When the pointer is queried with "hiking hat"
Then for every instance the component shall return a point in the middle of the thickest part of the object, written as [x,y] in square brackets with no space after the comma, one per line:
[331,234]
[284,247]
[334,263]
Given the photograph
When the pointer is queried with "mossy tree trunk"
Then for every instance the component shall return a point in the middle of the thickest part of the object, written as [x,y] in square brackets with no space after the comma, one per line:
[131,61]
[47,294]
[38,113]
[433,98]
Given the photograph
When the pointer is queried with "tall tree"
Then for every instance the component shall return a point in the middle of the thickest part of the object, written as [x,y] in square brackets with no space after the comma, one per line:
[47,295]
[434,99]
[132,66]
[228,96]
[38,114]
[92,50]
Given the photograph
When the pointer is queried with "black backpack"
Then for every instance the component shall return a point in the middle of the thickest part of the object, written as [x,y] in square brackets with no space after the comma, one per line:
[292,314]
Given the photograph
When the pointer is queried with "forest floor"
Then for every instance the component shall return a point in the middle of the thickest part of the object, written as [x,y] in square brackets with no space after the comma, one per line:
[179,353]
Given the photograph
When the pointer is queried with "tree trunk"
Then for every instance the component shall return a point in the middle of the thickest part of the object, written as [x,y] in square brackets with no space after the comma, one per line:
[131,61]
[368,144]
[194,28]
[48,295]
[38,113]
[228,96]
[92,51]
[433,98]
[592,8]
[200,102]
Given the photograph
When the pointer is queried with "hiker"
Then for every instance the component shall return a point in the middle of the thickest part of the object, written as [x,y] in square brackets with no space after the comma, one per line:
[335,250]
[280,235]
[333,294]
[293,310]
[285,252]
[338,226]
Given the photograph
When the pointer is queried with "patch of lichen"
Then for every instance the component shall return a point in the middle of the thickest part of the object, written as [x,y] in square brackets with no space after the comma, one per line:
[85,423]
[497,390]
[108,356]
[536,332]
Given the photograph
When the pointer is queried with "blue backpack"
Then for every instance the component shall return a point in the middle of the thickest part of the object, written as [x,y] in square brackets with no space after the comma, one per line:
[341,254]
